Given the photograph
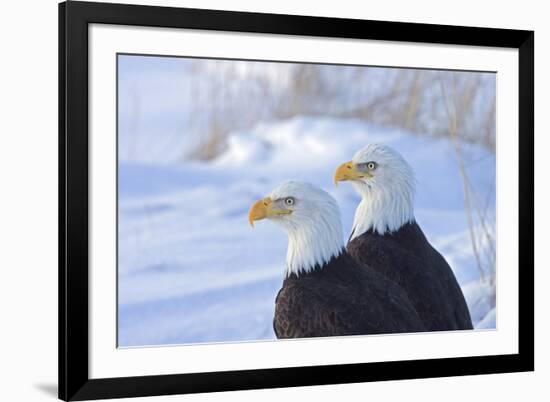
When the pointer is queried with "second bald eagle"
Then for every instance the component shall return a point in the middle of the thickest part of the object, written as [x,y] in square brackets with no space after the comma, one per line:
[386,237]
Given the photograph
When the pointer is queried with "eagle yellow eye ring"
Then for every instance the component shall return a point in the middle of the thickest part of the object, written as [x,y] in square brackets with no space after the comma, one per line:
[289,201]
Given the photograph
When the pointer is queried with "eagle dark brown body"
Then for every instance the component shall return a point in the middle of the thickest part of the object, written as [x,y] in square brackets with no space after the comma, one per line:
[342,298]
[407,258]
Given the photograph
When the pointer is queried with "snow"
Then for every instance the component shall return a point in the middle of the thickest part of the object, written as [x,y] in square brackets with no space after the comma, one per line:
[489,322]
[191,269]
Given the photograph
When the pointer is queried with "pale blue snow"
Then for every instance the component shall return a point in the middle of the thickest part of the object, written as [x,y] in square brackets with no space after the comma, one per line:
[191,269]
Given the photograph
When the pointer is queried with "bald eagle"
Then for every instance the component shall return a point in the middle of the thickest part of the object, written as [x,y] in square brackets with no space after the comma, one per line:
[386,237]
[325,293]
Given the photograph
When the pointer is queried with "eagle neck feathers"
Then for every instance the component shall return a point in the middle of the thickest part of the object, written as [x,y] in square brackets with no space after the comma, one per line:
[383,210]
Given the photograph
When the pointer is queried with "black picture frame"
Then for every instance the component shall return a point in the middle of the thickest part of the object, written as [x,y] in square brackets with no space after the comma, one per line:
[74,18]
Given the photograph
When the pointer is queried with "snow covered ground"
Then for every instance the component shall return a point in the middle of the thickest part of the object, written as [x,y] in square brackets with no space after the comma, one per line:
[191,269]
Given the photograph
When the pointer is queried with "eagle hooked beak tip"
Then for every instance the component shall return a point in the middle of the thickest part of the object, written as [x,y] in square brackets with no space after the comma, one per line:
[346,171]
[259,210]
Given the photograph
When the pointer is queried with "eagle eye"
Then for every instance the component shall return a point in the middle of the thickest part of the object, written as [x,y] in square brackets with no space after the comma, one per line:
[371,165]
[289,201]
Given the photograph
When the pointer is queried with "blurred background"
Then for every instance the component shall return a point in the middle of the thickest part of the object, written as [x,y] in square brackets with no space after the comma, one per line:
[199,140]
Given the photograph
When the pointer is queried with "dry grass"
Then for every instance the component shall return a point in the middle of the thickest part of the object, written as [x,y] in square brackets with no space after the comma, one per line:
[223,101]
[482,233]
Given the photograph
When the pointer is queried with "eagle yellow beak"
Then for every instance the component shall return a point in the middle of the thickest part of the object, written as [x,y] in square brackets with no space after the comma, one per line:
[262,209]
[348,171]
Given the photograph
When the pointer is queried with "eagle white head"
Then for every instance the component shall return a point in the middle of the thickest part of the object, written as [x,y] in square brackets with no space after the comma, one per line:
[386,184]
[311,219]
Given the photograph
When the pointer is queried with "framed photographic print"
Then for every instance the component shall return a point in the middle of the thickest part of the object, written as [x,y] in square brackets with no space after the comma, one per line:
[257,200]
